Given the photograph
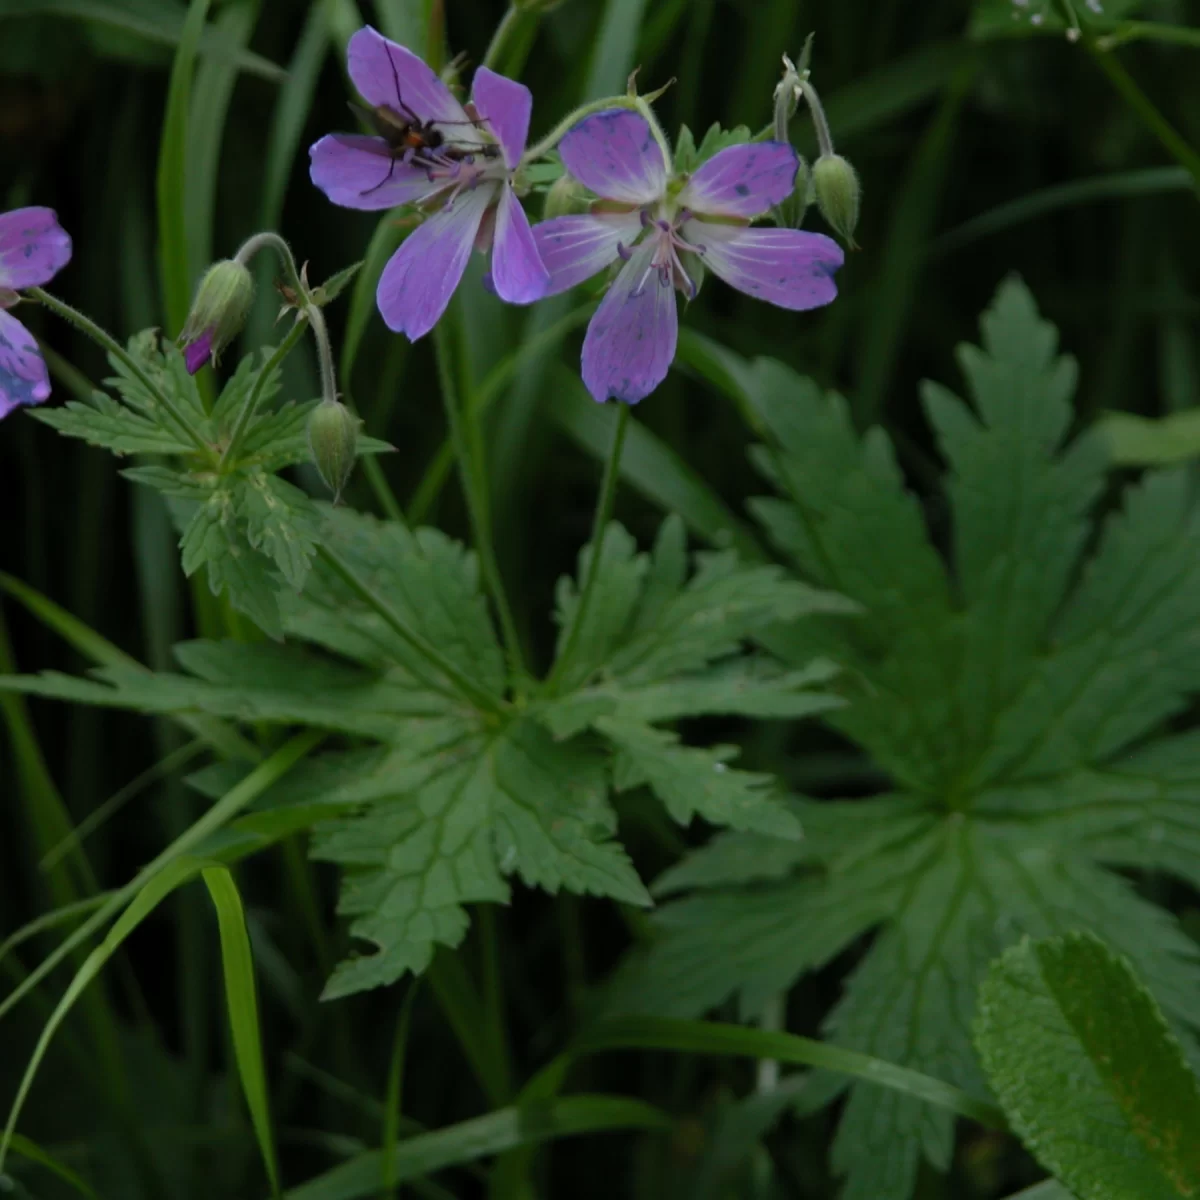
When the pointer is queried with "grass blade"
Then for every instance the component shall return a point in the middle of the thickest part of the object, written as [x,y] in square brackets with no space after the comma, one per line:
[241,997]
[484,1136]
[706,1037]
[32,1151]
[173,174]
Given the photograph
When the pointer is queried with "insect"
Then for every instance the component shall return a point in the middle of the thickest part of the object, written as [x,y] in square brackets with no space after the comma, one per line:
[409,138]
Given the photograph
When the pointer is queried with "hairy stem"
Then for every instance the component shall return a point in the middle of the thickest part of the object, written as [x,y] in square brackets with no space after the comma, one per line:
[109,343]
[466,435]
[604,510]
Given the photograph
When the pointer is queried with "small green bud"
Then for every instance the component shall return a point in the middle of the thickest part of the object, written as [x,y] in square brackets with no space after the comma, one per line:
[218,312]
[836,186]
[566,197]
[333,441]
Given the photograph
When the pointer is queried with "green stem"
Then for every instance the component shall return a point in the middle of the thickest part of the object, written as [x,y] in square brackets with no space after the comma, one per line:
[820,121]
[108,342]
[467,438]
[270,240]
[316,318]
[604,510]
[642,107]
[506,31]
[470,690]
[483,398]
[556,135]
[1141,104]
[1153,31]
[252,401]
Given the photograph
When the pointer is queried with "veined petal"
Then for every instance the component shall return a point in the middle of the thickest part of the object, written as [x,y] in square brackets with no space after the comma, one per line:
[518,274]
[419,279]
[23,375]
[506,106]
[787,267]
[576,248]
[357,171]
[33,247]
[386,73]
[630,340]
[743,181]
[615,155]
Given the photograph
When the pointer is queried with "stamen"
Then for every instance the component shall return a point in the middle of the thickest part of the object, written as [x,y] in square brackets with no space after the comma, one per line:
[624,253]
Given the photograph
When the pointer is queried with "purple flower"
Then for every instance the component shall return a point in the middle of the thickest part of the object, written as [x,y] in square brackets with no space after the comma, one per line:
[661,228]
[435,150]
[33,249]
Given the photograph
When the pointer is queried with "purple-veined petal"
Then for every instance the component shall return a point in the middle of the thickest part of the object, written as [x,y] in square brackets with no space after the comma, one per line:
[357,171]
[576,248]
[743,181]
[198,353]
[33,247]
[787,267]
[506,106]
[517,273]
[631,338]
[23,375]
[615,155]
[419,279]
[386,73]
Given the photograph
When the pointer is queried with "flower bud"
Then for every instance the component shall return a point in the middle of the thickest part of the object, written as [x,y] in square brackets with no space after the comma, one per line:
[566,197]
[835,184]
[333,441]
[218,312]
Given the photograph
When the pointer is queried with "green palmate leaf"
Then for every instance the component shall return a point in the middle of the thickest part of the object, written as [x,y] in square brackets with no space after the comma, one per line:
[693,782]
[101,421]
[281,521]
[1007,694]
[1088,1072]
[459,820]
[660,643]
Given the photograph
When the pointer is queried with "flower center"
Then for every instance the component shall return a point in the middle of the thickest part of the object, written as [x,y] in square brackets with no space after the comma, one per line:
[669,244]
[462,168]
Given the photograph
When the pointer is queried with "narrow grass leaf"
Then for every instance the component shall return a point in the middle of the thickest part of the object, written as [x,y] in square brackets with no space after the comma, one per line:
[172,180]
[482,1137]
[241,997]
[707,1037]
[29,1149]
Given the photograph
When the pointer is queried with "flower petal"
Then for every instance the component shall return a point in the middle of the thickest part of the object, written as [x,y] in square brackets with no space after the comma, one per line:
[615,154]
[518,274]
[575,248]
[631,338]
[419,279]
[787,267]
[356,171]
[743,181]
[23,375]
[198,353]
[506,106]
[386,73]
[33,247]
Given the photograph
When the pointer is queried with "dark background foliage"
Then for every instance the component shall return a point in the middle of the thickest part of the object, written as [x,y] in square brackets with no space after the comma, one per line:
[943,129]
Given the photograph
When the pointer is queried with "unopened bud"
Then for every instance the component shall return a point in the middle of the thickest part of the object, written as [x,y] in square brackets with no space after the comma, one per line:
[333,442]
[566,197]
[835,184]
[218,312]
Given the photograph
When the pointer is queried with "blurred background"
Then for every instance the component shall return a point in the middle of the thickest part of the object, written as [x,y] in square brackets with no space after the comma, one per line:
[987,142]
